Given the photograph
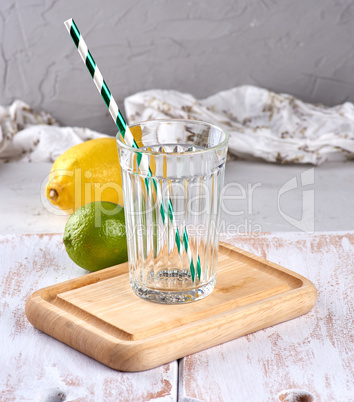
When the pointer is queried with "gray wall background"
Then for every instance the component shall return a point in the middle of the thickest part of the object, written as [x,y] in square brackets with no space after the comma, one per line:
[302,47]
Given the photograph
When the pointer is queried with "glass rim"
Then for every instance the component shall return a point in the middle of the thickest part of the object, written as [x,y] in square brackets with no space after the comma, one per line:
[188,121]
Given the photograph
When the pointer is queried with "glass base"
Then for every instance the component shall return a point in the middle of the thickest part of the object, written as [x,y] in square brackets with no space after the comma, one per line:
[174,297]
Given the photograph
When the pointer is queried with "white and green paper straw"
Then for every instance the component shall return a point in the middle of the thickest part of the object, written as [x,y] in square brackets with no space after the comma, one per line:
[128,138]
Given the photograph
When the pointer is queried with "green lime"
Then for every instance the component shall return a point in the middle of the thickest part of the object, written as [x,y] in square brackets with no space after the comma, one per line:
[95,237]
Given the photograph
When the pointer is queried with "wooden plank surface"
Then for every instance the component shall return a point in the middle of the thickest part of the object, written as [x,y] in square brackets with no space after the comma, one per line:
[99,315]
[36,367]
[311,356]
[313,353]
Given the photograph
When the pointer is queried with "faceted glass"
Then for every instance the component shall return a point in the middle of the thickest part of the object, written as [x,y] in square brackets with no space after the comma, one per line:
[172,184]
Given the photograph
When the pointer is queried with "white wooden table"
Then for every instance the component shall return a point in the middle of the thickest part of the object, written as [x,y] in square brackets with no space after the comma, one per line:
[250,198]
[311,355]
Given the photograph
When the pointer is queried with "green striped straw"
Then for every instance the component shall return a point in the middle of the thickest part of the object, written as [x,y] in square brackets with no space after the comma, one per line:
[128,138]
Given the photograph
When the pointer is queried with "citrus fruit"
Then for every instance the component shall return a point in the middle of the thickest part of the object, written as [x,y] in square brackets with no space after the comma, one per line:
[95,236]
[86,172]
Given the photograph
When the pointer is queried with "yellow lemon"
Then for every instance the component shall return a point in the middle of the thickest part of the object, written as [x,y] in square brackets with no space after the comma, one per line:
[95,236]
[85,173]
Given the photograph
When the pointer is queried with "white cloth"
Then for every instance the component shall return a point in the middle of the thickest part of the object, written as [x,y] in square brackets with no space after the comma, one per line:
[261,124]
[27,136]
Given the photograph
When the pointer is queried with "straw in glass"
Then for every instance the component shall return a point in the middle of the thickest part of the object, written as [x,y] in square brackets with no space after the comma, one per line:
[128,138]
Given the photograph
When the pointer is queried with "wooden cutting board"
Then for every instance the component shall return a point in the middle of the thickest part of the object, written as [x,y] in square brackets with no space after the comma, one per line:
[99,315]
